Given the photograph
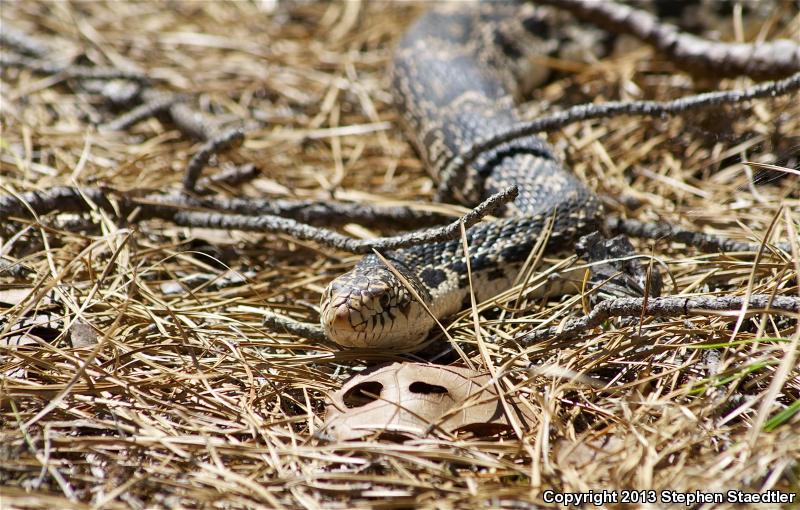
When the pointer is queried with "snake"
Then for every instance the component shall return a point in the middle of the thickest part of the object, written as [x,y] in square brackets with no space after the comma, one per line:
[454,83]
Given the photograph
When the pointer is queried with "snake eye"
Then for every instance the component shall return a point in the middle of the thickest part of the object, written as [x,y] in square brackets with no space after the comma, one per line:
[384,301]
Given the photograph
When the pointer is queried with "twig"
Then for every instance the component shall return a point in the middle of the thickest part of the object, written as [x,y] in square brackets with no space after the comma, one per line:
[662,307]
[578,113]
[103,73]
[18,39]
[232,176]
[217,144]
[765,60]
[116,92]
[191,122]
[205,281]
[320,213]
[302,231]
[61,198]
[69,199]
[155,104]
[72,70]
[700,240]
[283,324]
[312,212]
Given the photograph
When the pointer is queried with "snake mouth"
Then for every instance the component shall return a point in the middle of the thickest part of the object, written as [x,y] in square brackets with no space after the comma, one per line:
[372,311]
[344,319]
[338,319]
[355,322]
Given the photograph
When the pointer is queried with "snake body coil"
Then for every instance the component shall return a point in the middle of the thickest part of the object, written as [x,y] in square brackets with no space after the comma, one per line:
[454,87]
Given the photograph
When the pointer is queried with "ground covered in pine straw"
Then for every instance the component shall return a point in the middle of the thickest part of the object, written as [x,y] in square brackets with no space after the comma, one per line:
[155,385]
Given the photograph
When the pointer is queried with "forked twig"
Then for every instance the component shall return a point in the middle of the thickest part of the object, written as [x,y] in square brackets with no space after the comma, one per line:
[762,60]
[283,324]
[700,240]
[582,112]
[68,199]
[662,307]
[218,143]
[318,213]
[300,231]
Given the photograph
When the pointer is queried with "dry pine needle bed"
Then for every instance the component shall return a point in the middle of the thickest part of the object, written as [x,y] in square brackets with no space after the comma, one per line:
[136,369]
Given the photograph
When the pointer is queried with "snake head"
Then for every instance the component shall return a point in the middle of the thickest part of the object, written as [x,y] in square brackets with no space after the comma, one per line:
[369,307]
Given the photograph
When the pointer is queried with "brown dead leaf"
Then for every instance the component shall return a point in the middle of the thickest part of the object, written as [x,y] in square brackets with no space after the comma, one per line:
[415,400]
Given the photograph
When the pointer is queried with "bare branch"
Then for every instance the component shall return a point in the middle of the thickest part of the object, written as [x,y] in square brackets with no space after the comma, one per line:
[23,42]
[762,61]
[457,166]
[61,198]
[70,199]
[305,232]
[313,212]
[154,104]
[283,324]
[310,212]
[663,307]
[700,240]
[192,122]
[189,121]
[219,143]
[71,70]
[232,176]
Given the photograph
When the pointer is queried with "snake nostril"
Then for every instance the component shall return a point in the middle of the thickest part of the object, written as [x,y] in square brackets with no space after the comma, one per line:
[339,317]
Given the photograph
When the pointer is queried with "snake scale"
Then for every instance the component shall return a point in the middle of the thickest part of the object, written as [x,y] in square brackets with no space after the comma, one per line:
[454,86]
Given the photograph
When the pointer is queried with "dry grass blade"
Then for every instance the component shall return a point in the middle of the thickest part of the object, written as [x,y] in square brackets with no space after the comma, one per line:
[767,166]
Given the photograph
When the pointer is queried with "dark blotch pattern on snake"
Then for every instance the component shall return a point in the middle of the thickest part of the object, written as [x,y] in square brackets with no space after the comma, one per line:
[454,85]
